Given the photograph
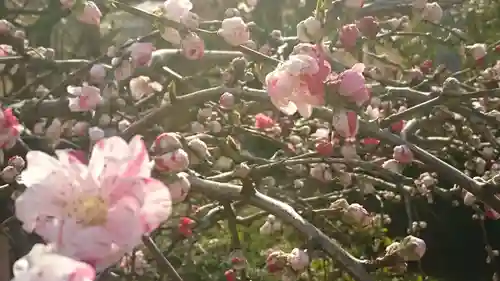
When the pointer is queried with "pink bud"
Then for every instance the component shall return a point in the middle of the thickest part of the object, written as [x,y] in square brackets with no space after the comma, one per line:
[352,84]
[349,34]
[97,73]
[175,161]
[179,189]
[345,123]
[368,26]
[478,51]
[227,100]
[193,47]
[263,121]
[402,154]
[166,142]
[91,14]
[357,214]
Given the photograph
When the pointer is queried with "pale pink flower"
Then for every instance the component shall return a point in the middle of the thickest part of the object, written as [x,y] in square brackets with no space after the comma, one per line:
[42,263]
[345,123]
[298,259]
[411,248]
[85,98]
[295,84]
[234,31]
[352,84]
[349,35]
[141,53]
[91,14]
[478,51]
[143,86]
[432,12]
[97,73]
[227,100]
[166,142]
[80,128]
[93,213]
[192,47]
[309,30]
[174,10]
[175,161]
[179,189]
[402,154]
[357,214]
[10,129]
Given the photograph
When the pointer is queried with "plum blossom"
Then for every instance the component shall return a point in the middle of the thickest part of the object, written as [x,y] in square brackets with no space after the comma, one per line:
[348,37]
[345,123]
[192,47]
[42,263]
[402,154]
[93,213]
[297,84]
[85,98]
[356,214]
[175,161]
[227,100]
[141,53]
[234,31]
[411,248]
[478,51]
[309,30]
[91,14]
[270,226]
[432,12]
[97,73]
[175,10]
[179,189]
[352,84]
[263,121]
[298,259]
[166,142]
[10,129]
[143,86]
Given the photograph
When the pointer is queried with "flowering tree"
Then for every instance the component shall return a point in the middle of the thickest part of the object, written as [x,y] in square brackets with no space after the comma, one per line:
[278,142]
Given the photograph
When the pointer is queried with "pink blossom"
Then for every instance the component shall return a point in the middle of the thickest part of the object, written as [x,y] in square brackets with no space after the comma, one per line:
[42,263]
[9,129]
[345,123]
[234,31]
[175,161]
[402,154]
[352,84]
[349,34]
[166,142]
[179,189]
[97,73]
[263,121]
[91,14]
[193,47]
[85,98]
[141,53]
[93,213]
[297,84]
[143,86]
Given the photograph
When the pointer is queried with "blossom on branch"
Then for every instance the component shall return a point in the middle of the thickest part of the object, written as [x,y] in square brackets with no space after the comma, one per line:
[93,213]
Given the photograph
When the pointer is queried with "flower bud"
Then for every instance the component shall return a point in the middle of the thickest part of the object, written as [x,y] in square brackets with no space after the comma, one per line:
[432,12]
[179,189]
[166,142]
[412,248]
[309,30]
[356,214]
[175,161]
[298,259]
[402,154]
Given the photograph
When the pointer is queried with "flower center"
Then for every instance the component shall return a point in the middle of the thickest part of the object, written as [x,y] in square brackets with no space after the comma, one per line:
[89,210]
